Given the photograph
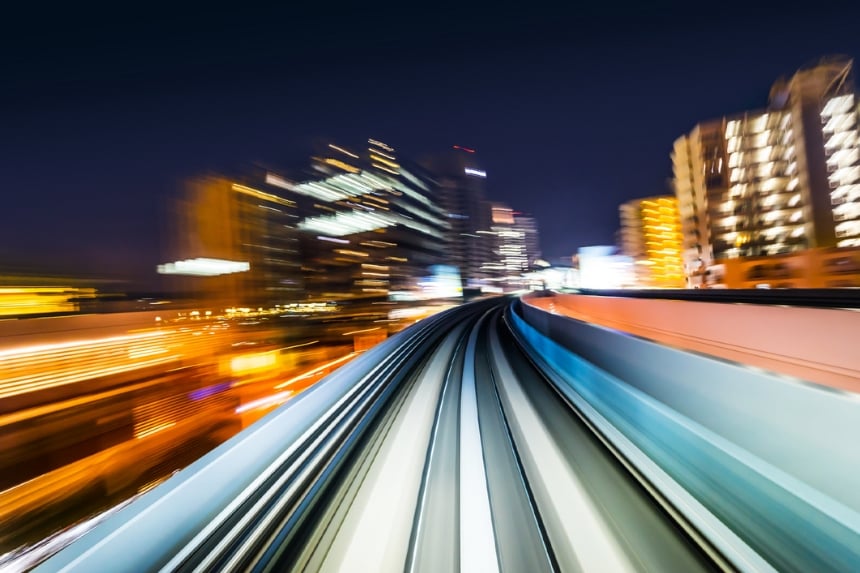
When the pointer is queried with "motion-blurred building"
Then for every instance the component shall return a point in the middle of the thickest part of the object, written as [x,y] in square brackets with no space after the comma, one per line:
[47,300]
[778,180]
[368,224]
[234,242]
[462,196]
[651,236]
[531,236]
[514,240]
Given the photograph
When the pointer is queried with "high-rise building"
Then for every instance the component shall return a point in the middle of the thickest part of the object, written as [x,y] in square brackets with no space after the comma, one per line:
[369,225]
[651,236]
[778,180]
[528,225]
[700,182]
[462,196]
[514,238]
[508,253]
[235,243]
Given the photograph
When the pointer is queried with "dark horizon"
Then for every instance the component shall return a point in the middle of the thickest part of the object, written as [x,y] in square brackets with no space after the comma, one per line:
[571,117]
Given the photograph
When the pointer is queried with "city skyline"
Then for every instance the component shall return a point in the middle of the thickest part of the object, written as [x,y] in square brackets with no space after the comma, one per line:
[567,123]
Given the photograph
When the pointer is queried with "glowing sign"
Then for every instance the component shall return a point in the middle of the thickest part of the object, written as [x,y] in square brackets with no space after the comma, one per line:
[475,172]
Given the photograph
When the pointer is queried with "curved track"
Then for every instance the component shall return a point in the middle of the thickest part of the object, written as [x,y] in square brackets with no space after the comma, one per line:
[469,460]
[444,449]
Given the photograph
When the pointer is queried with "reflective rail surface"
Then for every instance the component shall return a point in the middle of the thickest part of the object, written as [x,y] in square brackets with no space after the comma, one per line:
[479,440]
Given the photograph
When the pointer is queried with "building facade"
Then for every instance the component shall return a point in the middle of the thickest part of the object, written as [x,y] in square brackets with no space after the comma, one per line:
[235,242]
[835,267]
[779,180]
[651,236]
[531,236]
[515,247]
[462,195]
[369,225]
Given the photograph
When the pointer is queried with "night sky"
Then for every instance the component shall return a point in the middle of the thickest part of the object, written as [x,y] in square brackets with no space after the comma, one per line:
[572,113]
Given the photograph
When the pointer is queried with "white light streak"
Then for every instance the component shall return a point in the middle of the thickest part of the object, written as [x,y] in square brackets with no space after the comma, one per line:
[316,370]
[204,267]
[344,151]
[272,400]
[333,240]
[475,172]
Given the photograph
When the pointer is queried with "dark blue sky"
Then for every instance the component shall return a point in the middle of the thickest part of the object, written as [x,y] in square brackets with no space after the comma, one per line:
[572,113]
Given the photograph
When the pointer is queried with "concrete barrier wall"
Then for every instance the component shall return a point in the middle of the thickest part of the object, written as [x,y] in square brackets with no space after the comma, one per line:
[814,344]
[806,430]
[773,460]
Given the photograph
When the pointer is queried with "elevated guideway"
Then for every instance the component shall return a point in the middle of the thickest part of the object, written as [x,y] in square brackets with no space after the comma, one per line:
[500,437]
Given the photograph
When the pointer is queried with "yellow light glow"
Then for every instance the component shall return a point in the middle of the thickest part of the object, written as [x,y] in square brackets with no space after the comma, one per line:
[376,157]
[350,252]
[660,224]
[248,363]
[256,193]
[341,165]
[25,300]
[386,169]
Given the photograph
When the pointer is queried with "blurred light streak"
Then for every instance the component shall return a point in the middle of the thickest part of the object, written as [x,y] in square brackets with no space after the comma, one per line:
[300,345]
[268,401]
[391,157]
[39,367]
[133,354]
[341,165]
[316,370]
[378,143]
[90,343]
[257,194]
[466,149]
[387,162]
[333,240]
[30,384]
[383,168]
[154,430]
[350,252]
[342,150]
[360,331]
